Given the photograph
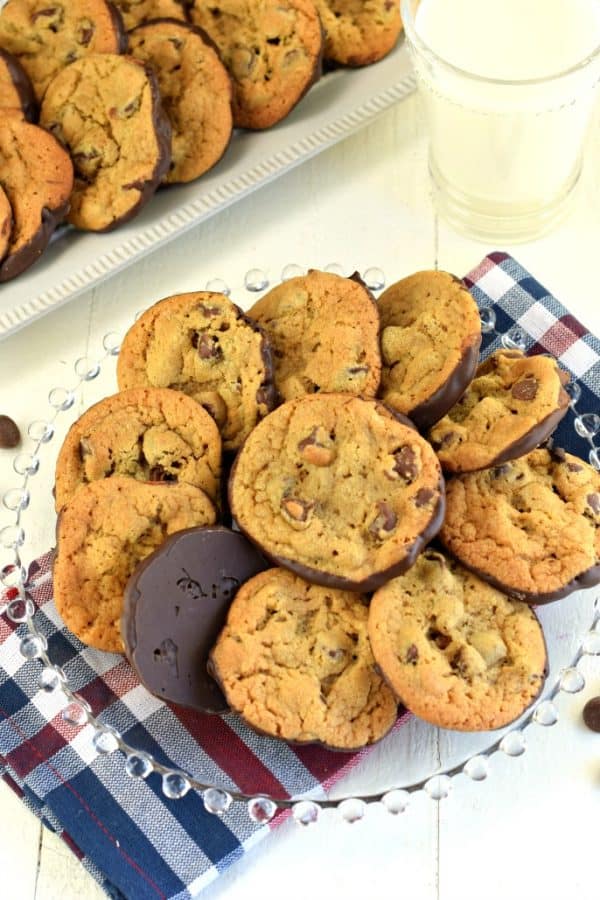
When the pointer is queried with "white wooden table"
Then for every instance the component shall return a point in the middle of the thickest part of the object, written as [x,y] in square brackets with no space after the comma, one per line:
[531,830]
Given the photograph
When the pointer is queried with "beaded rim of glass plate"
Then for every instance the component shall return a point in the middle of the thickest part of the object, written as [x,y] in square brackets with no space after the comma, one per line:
[176,783]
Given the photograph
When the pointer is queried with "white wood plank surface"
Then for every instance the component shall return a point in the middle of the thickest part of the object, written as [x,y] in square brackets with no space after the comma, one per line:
[532,829]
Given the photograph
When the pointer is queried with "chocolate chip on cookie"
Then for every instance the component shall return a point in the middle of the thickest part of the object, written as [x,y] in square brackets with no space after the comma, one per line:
[106,110]
[196,94]
[104,531]
[47,35]
[16,92]
[135,12]
[359,32]
[324,332]
[294,661]
[336,489]
[151,434]
[36,175]
[430,338]
[202,344]
[514,403]
[531,527]
[272,50]
[456,651]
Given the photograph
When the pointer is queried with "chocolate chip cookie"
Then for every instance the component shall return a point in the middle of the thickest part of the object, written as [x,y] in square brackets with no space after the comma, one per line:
[176,603]
[324,333]
[106,110]
[514,403]
[338,490]
[202,344]
[359,32]
[430,339]
[272,50]
[36,175]
[531,526]
[47,35]
[151,434]
[294,660]
[104,531]
[135,12]
[16,92]
[456,651]
[196,94]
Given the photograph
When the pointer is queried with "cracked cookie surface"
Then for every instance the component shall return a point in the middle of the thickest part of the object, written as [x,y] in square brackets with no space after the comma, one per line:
[105,530]
[457,652]
[530,526]
[430,338]
[150,434]
[195,92]
[336,489]
[272,50]
[106,110]
[16,92]
[37,177]
[202,344]
[513,404]
[294,660]
[135,12]
[324,333]
[359,32]
[47,35]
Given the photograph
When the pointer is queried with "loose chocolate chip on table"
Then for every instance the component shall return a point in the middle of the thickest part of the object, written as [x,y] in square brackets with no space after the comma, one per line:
[591,714]
[10,436]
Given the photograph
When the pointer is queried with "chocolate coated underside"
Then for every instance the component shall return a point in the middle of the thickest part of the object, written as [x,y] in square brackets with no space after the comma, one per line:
[435,407]
[18,262]
[22,84]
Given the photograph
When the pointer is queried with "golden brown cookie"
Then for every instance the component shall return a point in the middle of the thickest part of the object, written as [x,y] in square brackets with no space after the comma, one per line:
[47,36]
[359,32]
[272,50]
[151,434]
[430,339]
[294,660]
[202,344]
[104,531]
[37,177]
[196,94]
[135,12]
[106,110]
[6,223]
[16,92]
[324,333]
[338,490]
[514,404]
[531,526]
[456,651]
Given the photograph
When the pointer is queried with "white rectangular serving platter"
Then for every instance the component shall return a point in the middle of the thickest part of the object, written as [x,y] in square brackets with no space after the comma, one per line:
[341,103]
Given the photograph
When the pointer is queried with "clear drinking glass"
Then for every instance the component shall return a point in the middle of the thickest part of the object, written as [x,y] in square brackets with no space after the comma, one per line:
[505,155]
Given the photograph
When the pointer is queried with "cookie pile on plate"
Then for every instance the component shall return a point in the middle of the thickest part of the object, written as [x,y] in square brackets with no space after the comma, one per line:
[135,95]
[328,605]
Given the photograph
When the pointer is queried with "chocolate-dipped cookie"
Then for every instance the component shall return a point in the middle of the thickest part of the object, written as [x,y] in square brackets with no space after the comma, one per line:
[531,527]
[294,660]
[16,92]
[135,12]
[338,490]
[272,50]
[105,530]
[324,333]
[202,344]
[45,37]
[195,91]
[106,110]
[430,338]
[150,434]
[457,652]
[36,175]
[6,223]
[359,32]
[512,406]
[176,603]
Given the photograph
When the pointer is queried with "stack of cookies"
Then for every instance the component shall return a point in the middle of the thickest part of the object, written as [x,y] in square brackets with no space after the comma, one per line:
[353,434]
[146,93]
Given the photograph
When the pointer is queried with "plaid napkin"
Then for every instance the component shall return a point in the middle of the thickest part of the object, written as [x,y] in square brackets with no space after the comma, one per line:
[134,841]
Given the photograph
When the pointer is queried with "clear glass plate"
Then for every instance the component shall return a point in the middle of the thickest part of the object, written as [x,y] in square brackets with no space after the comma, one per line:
[414,756]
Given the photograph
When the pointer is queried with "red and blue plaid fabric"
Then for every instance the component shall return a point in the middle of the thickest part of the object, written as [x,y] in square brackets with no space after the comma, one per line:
[134,841]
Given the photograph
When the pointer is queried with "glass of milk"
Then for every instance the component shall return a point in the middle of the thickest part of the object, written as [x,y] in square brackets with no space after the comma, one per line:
[508,87]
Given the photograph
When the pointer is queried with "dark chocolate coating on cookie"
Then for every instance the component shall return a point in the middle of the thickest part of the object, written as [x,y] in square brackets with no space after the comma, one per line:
[175,605]
[435,407]
[21,84]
